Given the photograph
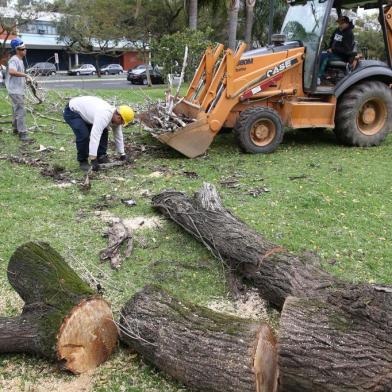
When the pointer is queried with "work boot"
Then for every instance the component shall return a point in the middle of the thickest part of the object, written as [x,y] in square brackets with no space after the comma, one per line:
[15,131]
[24,137]
[84,166]
[103,159]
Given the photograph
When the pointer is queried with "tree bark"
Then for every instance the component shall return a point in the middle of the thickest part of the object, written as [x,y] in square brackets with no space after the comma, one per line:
[62,319]
[234,6]
[250,6]
[275,272]
[342,343]
[193,14]
[205,350]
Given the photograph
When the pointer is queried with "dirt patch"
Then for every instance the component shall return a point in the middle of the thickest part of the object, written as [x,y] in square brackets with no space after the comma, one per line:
[57,172]
[248,305]
[82,383]
[135,223]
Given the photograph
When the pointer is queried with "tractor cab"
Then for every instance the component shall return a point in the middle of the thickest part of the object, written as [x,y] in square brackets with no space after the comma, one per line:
[307,23]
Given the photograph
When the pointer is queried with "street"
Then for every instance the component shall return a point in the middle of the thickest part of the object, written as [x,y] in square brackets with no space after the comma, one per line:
[63,81]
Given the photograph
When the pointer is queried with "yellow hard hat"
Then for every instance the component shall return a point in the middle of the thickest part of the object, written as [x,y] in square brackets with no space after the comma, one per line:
[126,114]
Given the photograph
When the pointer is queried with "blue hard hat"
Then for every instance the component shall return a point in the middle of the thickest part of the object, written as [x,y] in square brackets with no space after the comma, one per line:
[16,42]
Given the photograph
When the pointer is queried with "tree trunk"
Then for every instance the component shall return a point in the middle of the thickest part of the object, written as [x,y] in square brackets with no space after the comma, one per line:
[205,350]
[234,6]
[250,6]
[193,14]
[62,317]
[275,272]
[97,66]
[147,63]
[342,343]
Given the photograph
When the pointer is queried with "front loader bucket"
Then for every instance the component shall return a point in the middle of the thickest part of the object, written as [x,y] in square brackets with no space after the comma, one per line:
[192,140]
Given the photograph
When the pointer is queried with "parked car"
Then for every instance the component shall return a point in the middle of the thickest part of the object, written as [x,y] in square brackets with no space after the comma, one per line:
[138,75]
[42,69]
[112,69]
[85,69]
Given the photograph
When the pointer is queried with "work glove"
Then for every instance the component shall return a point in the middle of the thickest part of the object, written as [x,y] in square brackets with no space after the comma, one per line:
[94,165]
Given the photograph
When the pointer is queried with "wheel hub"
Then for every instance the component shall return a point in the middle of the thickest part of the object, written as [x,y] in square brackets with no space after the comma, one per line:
[372,116]
[368,115]
[263,132]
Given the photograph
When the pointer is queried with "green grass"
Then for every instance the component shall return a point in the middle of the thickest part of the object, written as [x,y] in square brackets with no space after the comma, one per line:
[339,208]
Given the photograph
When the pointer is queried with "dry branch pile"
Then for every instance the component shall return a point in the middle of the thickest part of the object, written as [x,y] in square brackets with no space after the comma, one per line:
[160,117]
[157,119]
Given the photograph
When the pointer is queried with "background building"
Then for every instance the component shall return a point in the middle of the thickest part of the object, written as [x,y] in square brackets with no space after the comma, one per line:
[42,41]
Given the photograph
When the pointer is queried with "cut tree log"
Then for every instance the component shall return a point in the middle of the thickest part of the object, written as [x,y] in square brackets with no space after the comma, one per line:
[204,350]
[63,319]
[342,343]
[275,272]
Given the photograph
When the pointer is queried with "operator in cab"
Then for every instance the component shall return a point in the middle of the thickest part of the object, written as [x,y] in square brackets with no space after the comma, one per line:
[340,46]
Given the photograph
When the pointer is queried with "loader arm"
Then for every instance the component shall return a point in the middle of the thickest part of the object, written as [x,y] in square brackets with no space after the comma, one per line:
[203,76]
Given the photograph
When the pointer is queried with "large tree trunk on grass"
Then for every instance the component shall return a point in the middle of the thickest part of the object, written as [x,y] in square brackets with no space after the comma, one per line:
[275,272]
[342,343]
[62,319]
[205,350]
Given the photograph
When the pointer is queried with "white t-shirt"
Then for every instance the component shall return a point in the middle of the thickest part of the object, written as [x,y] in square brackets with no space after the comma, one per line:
[98,113]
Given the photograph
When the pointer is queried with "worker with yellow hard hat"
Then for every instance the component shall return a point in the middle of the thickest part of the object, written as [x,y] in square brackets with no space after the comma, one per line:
[90,117]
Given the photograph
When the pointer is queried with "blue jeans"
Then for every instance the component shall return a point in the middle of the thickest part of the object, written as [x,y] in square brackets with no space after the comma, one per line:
[325,58]
[82,131]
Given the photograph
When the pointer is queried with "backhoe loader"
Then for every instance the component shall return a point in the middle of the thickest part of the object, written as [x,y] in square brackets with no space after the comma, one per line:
[261,92]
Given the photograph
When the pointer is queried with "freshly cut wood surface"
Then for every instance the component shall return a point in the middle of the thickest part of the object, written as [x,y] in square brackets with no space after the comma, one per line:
[63,318]
[204,350]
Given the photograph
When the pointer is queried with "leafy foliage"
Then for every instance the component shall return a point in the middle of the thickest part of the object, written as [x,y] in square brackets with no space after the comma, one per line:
[169,50]
[22,14]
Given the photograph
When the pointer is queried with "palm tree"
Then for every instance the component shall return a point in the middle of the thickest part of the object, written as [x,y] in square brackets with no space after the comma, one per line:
[192,11]
[233,7]
[262,17]
[250,7]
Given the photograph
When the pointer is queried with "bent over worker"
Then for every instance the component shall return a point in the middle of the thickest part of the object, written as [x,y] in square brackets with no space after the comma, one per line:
[89,117]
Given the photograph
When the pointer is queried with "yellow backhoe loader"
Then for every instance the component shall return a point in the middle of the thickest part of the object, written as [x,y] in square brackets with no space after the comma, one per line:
[260,92]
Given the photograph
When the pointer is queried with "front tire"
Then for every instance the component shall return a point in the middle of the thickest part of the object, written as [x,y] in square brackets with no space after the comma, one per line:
[364,114]
[259,130]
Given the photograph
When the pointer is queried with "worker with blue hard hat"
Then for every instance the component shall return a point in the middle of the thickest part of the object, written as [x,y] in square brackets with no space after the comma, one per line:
[15,80]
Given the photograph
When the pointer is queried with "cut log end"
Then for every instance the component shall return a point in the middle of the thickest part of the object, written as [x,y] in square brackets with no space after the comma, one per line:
[265,363]
[87,336]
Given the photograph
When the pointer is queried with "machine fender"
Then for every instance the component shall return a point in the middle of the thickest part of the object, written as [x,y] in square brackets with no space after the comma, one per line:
[380,73]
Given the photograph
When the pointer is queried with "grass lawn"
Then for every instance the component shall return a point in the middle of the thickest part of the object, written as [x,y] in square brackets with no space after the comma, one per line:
[321,196]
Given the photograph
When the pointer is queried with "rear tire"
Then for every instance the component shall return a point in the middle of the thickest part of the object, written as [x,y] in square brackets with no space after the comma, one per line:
[259,130]
[364,114]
